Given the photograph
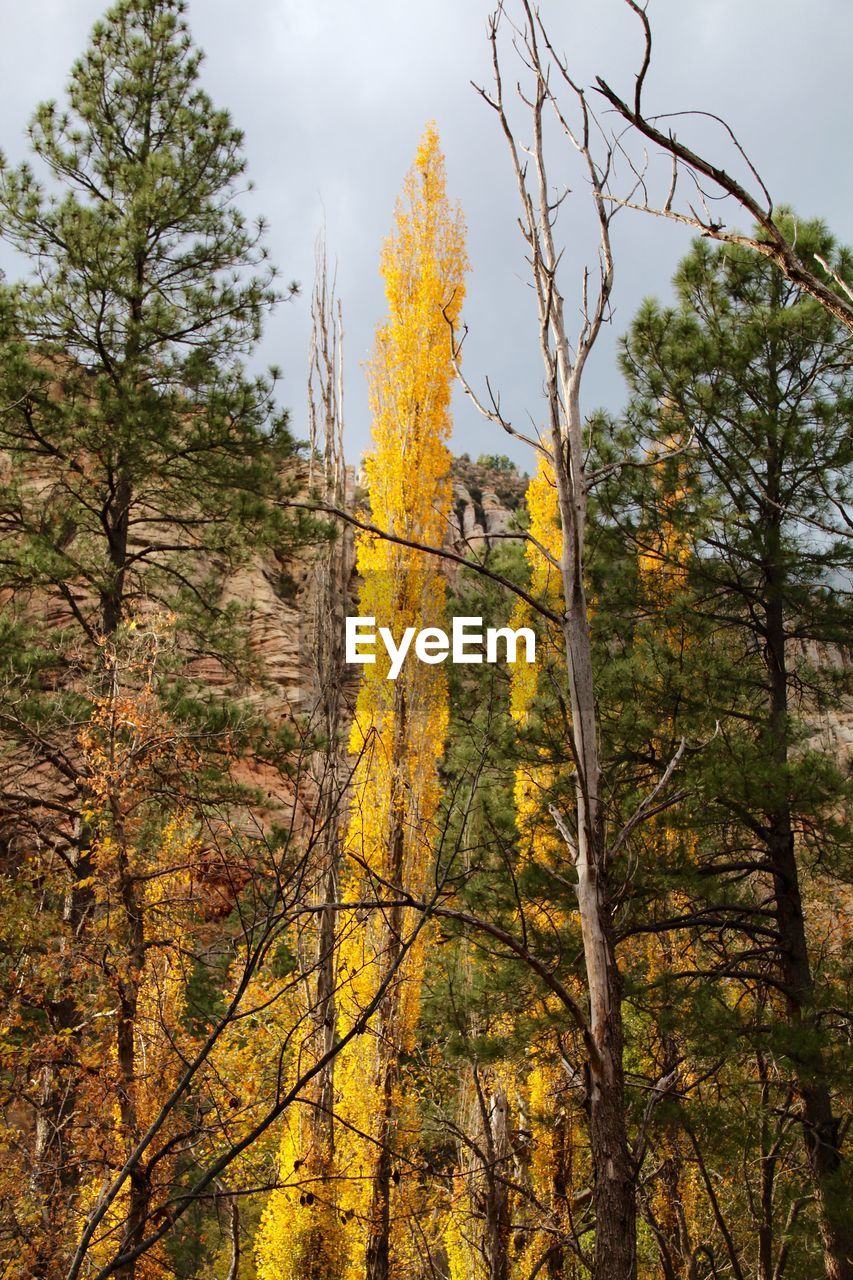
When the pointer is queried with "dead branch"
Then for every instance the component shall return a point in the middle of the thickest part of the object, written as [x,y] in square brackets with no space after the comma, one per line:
[831,292]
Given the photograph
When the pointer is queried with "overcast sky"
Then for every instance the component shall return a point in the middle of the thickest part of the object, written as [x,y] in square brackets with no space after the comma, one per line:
[333,97]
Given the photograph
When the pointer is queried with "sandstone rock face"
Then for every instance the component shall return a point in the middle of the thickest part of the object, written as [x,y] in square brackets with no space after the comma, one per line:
[484,503]
[277,609]
[485,500]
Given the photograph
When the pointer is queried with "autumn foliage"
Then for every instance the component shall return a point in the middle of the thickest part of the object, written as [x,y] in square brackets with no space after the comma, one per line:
[397,740]
[486,972]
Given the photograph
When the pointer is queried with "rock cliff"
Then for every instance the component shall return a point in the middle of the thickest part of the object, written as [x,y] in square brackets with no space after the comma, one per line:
[485,499]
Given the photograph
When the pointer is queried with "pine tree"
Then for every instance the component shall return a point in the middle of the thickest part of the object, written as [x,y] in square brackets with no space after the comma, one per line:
[760,376]
[140,464]
[134,435]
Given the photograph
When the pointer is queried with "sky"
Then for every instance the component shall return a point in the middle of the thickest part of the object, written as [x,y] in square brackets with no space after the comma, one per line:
[333,97]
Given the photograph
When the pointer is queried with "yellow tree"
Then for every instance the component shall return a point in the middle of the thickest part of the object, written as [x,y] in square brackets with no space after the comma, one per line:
[397,738]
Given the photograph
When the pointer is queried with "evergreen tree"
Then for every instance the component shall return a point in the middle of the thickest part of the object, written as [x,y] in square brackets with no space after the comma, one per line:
[758,376]
[140,464]
[133,432]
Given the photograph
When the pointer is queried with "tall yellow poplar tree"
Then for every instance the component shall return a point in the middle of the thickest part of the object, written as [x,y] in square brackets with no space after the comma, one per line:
[397,739]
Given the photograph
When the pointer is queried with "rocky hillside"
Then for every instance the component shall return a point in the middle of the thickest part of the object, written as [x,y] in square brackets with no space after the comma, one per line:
[486,495]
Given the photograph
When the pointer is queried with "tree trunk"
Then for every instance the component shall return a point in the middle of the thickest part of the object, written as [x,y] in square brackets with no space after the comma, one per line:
[379,1221]
[331,574]
[129,990]
[378,1256]
[767,1181]
[499,1153]
[112,596]
[613,1178]
[820,1126]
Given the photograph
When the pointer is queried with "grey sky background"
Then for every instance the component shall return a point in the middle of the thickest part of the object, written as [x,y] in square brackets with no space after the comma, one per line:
[333,97]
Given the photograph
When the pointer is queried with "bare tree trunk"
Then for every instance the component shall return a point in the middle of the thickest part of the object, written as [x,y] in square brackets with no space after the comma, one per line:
[614,1193]
[488,1163]
[129,988]
[234,1215]
[330,596]
[499,1154]
[613,1174]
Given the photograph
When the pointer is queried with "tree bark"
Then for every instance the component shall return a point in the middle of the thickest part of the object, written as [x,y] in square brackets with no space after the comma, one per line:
[496,1142]
[821,1133]
[614,1194]
[126,1031]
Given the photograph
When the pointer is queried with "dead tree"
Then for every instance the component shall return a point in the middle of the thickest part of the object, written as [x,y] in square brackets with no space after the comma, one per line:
[708,182]
[564,363]
[329,595]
